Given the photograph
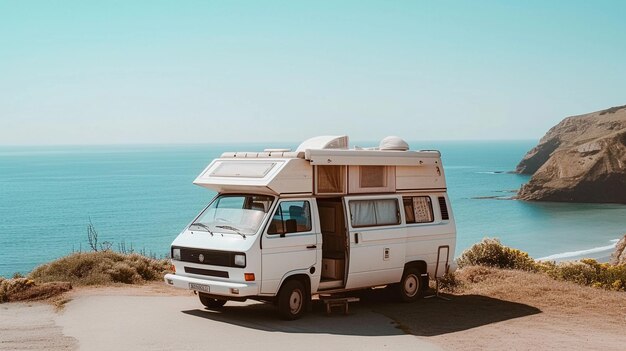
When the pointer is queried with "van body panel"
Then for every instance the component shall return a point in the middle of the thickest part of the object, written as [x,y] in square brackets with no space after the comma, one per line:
[220,240]
[285,175]
[377,253]
[289,252]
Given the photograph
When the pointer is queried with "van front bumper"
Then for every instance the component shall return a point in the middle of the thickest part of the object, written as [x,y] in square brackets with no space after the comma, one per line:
[214,287]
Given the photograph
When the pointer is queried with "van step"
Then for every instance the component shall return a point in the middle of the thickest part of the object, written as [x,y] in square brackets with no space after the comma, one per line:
[330,284]
[342,302]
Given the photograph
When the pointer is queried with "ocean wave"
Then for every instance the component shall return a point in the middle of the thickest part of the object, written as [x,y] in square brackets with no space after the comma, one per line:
[491,172]
[580,253]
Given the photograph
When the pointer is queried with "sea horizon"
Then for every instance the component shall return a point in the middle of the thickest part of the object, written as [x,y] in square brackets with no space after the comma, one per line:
[141,194]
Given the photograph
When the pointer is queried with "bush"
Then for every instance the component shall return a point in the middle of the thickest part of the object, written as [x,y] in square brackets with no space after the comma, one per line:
[449,282]
[101,268]
[21,289]
[588,272]
[491,253]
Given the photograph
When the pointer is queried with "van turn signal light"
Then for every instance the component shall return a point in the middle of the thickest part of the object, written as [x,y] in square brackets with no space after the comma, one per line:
[249,277]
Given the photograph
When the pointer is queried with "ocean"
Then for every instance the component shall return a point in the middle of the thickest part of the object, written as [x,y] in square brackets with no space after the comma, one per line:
[143,196]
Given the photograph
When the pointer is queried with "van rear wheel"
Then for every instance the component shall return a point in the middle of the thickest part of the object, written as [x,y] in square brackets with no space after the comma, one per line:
[210,302]
[292,300]
[410,287]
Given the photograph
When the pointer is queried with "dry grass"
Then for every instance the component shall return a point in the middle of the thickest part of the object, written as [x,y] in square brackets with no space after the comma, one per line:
[50,280]
[101,268]
[491,253]
[539,290]
[23,289]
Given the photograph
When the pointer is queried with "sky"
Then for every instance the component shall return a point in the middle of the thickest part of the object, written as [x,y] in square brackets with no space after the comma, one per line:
[134,72]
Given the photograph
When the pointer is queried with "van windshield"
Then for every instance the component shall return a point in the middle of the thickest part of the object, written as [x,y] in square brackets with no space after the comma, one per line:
[242,214]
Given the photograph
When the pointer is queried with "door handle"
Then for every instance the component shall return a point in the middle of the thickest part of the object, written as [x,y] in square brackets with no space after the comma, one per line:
[311,247]
[356,238]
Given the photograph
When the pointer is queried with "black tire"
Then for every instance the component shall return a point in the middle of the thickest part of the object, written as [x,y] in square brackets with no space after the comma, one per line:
[411,287]
[210,302]
[292,300]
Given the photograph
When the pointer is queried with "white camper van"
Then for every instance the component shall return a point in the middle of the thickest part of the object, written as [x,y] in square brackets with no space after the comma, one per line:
[323,219]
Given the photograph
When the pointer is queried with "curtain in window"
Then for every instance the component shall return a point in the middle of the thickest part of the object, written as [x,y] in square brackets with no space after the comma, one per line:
[423,209]
[386,212]
[372,176]
[363,213]
[329,179]
[374,212]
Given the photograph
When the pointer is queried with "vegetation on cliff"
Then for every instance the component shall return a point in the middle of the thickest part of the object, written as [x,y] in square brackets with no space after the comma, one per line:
[491,253]
[82,269]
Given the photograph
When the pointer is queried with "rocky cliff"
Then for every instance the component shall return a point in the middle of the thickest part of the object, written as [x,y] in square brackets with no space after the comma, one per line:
[581,159]
[619,256]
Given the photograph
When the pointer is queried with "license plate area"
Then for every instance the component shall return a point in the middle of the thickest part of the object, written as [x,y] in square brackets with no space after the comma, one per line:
[199,287]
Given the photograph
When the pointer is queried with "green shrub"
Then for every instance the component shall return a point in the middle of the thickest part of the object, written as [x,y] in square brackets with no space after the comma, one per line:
[491,253]
[101,268]
[588,272]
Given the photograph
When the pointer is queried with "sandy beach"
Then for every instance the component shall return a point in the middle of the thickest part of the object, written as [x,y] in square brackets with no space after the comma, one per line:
[559,315]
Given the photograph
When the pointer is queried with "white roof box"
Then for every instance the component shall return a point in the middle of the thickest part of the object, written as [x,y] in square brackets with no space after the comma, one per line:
[324,142]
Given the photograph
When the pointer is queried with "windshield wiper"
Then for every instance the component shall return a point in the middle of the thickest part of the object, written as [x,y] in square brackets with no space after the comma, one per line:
[232,229]
[199,224]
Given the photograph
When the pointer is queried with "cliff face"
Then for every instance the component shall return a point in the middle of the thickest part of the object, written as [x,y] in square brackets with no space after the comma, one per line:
[581,159]
[619,256]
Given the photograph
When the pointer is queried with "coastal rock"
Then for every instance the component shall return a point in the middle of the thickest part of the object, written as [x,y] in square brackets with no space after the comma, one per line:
[619,256]
[581,159]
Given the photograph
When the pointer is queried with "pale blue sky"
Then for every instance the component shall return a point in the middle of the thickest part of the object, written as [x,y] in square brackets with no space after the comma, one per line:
[93,72]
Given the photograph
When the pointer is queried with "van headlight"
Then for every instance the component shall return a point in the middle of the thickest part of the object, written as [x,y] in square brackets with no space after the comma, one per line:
[176,254]
[240,260]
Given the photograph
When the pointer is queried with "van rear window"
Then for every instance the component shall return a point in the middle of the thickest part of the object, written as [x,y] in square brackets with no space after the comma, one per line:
[418,209]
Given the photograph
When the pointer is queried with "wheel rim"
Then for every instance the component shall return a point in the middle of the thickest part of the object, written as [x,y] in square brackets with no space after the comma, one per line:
[295,301]
[411,285]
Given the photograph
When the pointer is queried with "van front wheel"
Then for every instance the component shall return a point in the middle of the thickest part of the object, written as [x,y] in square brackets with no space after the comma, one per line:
[292,300]
[211,303]
[410,287]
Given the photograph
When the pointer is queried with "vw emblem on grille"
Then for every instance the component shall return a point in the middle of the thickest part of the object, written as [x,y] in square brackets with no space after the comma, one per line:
[201,258]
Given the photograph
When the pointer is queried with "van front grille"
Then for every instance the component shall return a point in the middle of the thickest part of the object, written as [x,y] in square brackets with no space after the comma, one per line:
[209,272]
[208,257]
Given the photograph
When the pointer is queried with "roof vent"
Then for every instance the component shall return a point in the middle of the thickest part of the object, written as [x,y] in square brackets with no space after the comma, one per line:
[393,143]
[324,142]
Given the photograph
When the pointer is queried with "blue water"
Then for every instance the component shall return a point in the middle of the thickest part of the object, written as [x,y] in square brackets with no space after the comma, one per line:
[143,195]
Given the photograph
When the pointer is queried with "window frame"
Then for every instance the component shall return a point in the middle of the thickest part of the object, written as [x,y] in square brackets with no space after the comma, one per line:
[279,208]
[219,196]
[216,171]
[398,212]
[430,203]
[344,180]
[354,180]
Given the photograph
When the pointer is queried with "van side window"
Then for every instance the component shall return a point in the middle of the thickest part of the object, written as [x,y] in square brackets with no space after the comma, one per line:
[370,213]
[291,217]
[330,179]
[418,209]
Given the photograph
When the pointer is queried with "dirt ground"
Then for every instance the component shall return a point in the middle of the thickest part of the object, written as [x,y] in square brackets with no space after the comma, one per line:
[495,310]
